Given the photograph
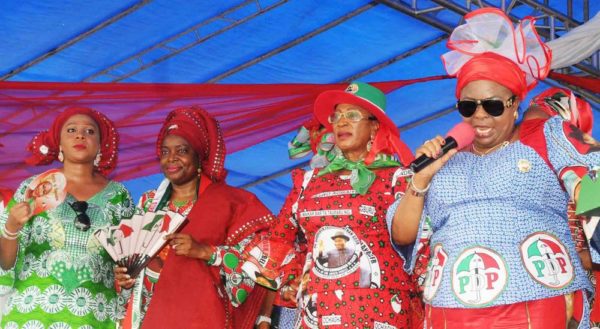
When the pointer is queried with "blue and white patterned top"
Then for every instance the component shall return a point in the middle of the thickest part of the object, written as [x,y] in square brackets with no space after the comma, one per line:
[500,232]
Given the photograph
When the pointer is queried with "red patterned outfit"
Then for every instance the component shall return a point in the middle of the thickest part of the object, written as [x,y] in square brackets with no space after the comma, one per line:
[194,293]
[191,293]
[370,289]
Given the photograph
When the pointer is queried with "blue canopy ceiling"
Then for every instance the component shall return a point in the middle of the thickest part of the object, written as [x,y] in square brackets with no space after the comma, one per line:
[262,41]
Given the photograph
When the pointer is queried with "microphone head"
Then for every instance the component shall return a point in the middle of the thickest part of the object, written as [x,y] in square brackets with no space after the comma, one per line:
[463,133]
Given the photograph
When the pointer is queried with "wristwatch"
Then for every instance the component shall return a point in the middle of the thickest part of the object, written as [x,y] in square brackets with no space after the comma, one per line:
[261,319]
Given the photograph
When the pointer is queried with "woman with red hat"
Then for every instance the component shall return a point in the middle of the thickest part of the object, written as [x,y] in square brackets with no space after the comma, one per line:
[196,280]
[59,275]
[350,277]
[501,249]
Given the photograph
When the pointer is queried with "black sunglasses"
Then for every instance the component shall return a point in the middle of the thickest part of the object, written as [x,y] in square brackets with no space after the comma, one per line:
[82,221]
[493,107]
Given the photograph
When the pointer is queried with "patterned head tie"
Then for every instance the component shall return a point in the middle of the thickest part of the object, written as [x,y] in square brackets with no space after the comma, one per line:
[488,47]
[203,133]
[45,146]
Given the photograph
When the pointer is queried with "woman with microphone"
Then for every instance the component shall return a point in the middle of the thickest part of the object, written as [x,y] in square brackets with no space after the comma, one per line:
[501,250]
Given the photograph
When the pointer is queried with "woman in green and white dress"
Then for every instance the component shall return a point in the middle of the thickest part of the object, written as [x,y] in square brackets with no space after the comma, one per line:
[59,274]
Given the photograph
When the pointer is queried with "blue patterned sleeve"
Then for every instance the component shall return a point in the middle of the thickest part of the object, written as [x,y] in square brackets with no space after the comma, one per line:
[570,151]
[408,252]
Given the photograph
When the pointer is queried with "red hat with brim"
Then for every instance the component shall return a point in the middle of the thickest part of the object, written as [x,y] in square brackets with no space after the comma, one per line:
[357,93]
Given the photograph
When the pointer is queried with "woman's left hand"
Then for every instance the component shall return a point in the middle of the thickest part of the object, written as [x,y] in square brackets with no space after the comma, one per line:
[184,245]
[263,325]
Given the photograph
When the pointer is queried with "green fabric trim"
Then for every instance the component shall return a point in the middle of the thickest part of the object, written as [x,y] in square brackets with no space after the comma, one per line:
[362,177]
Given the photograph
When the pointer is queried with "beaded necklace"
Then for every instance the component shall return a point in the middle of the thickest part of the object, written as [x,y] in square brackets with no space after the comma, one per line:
[181,207]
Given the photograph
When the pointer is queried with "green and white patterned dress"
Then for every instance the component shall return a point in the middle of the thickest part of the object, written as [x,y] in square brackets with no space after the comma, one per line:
[63,278]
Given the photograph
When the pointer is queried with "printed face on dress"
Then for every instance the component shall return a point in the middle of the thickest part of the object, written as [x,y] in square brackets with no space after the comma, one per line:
[80,139]
[490,130]
[178,160]
[352,137]
[340,243]
[41,189]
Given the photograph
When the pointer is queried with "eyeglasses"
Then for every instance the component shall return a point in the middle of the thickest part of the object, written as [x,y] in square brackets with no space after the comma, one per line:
[352,116]
[82,221]
[493,107]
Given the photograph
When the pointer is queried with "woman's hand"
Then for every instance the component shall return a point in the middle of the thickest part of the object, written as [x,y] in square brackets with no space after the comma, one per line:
[263,325]
[183,245]
[122,278]
[407,217]
[289,292]
[17,217]
[433,149]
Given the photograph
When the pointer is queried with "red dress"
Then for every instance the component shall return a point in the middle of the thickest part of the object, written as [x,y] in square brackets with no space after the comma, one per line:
[189,292]
[352,278]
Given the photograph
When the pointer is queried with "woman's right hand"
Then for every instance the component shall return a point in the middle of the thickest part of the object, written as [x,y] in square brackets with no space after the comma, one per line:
[433,149]
[18,215]
[122,278]
[289,291]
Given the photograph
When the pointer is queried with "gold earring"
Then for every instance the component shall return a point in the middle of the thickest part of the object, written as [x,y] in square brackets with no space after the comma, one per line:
[516,115]
[61,156]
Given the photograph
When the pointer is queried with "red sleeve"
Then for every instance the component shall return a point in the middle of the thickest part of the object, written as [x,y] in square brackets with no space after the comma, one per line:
[286,226]
[272,255]
[251,216]
[5,195]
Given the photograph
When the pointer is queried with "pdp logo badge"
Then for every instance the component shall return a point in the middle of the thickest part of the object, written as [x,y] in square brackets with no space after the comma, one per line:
[435,269]
[352,88]
[547,260]
[478,276]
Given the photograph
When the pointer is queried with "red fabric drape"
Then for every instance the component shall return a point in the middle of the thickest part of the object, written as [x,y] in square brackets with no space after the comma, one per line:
[187,294]
[589,83]
[249,114]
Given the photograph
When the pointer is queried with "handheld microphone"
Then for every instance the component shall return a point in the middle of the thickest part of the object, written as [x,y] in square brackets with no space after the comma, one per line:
[459,137]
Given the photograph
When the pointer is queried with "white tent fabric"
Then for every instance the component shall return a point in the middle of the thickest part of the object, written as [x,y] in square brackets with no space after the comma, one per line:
[263,41]
[576,45]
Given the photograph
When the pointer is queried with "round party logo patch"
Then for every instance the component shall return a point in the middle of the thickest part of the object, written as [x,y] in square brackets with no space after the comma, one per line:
[435,269]
[547,260]
[479,275]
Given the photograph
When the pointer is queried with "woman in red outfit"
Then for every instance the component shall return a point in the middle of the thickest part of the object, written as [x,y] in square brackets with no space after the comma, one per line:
[194,281]
[351,277]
